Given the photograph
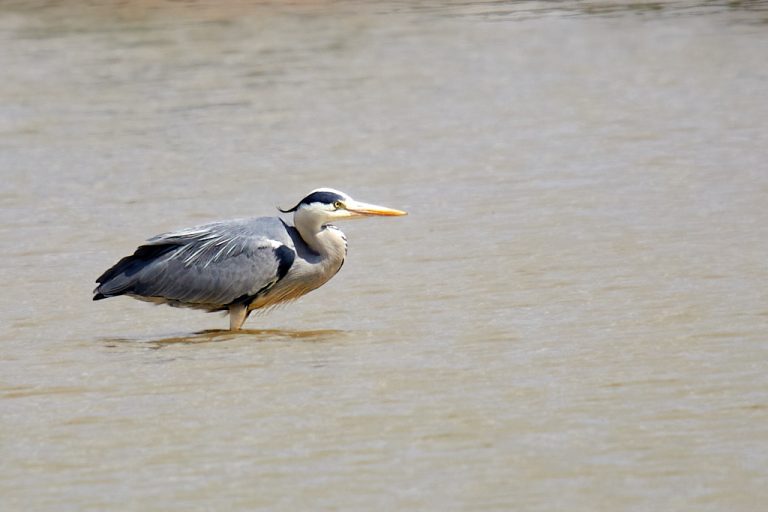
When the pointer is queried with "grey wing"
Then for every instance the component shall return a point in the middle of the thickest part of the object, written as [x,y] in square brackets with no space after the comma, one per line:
[210,266]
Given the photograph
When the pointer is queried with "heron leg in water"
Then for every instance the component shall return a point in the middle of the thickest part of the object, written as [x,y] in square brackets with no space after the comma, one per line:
[237,315]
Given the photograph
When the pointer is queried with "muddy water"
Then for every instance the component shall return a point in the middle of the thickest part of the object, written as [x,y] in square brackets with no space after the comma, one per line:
[573,316]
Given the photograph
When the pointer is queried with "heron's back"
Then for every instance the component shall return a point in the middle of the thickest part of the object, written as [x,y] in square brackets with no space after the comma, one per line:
[208,267]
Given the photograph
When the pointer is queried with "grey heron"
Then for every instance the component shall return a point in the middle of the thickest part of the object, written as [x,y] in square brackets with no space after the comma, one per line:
[243,264]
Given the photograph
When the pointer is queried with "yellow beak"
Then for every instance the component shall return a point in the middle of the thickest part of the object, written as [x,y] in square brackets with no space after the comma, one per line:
[372,209]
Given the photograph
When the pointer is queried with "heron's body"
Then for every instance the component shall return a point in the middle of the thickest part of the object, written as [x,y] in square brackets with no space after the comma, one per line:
[240,265]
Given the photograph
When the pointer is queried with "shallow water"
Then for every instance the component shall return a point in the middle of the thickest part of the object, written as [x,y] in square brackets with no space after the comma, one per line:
[572,317]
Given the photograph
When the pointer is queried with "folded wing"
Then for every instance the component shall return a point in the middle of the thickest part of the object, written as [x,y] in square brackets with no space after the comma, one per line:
[208,267]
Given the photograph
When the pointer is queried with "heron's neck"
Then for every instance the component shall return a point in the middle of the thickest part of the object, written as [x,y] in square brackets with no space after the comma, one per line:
[327,241]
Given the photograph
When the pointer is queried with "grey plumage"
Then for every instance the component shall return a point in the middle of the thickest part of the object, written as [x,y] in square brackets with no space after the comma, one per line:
[207,267]
[243,264]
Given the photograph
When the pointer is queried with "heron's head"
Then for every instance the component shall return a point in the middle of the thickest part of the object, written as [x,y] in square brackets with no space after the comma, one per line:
[326,205]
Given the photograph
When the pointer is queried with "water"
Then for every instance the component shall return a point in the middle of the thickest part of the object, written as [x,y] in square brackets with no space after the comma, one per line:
[573,316]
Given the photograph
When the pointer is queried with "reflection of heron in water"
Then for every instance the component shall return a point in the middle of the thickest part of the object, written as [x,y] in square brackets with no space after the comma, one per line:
[216,336]
[243,264]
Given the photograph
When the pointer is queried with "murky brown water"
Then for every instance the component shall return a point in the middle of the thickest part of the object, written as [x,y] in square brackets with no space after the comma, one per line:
[573,317]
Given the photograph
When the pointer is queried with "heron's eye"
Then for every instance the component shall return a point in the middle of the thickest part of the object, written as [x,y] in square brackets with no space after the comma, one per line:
[338,205]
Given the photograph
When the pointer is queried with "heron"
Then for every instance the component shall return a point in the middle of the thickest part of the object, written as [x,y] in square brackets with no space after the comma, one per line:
[240,265]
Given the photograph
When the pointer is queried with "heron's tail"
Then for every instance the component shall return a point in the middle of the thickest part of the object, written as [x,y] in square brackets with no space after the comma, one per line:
[121,277]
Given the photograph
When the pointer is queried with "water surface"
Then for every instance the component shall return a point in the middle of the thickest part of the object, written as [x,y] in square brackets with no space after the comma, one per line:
[572,317]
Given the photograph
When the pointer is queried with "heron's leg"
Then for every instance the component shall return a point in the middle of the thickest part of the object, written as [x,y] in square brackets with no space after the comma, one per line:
[237,315]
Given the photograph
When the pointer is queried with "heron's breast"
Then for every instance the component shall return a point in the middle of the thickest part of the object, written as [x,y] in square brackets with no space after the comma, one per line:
[301,279]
